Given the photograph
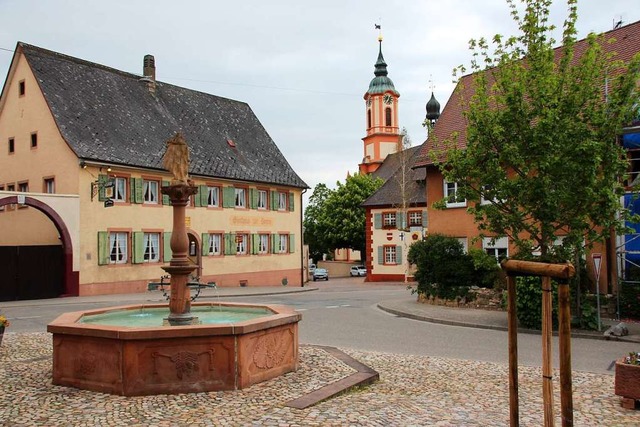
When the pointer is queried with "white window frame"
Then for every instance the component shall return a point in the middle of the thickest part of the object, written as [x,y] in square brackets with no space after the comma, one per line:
[389,219]
[282,201]
[501,245]
[283,243]
[50,185]
[417,215]
[119,189]
[262,199]
[240,197]
[215,244]
[151,242]
[390,255]
[263,244]
[447,187]
[118,247]
[465,244]
[241,244]
[150,192]
[213,196]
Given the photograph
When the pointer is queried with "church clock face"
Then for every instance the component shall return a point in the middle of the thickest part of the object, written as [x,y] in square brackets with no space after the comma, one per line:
[387,99]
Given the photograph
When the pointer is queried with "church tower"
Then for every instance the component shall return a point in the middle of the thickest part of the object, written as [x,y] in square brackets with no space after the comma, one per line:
[381,103]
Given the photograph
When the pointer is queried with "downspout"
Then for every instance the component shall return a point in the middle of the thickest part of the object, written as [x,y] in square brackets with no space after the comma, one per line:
[302,261]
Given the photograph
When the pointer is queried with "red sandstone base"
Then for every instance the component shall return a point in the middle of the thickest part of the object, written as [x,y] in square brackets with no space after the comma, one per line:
[173,359]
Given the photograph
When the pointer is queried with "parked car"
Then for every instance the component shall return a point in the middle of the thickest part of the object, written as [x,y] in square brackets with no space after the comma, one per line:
[312,268]
[320,274]
[358,270]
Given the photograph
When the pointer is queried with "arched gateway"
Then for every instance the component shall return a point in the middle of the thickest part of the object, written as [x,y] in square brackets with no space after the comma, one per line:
[68,205]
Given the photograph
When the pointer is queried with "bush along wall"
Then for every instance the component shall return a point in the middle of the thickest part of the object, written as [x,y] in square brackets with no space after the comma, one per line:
[630,300]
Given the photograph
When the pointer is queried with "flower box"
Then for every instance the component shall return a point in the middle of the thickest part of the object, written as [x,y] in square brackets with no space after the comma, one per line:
[627,380]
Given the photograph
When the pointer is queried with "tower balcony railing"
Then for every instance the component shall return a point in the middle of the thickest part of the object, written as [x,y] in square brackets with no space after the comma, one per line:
[383,129]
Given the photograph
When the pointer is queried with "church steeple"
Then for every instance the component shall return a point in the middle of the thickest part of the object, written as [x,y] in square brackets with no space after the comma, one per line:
[383,131]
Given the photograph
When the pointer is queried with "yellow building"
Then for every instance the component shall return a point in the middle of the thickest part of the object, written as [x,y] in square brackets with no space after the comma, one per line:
[85,142]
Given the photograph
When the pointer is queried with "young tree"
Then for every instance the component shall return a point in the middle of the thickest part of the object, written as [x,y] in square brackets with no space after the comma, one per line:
[541,135]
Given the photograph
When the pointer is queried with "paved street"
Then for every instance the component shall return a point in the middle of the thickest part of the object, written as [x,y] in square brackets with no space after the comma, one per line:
[430,374]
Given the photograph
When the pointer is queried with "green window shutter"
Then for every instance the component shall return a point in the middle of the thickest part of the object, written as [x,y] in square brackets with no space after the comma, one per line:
[168,253]
[377,221]
[399,255]
[253,198]
[291,201]
[424,218]
[402,219]
[380,255]
[139,190]
[102,180]
[292,243]
[103,248]
[227,247]
[232,244]
[228,198]
[205,244]
[138,247]
[197,198]
[255,240]
[165,198]
[274,200]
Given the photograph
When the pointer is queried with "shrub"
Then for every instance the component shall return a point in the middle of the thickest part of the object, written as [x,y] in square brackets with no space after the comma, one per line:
[487,272]
[443,269]
[630,300]
[529,302]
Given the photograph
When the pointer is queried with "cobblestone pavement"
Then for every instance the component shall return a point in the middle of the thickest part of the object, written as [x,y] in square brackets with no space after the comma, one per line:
[412,391]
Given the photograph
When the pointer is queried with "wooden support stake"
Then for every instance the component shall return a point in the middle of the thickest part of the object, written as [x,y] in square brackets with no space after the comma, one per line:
[566,394]
[514,416]
[547,372]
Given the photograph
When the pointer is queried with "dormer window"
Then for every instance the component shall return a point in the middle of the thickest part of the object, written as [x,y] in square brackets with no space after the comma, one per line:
[21,88]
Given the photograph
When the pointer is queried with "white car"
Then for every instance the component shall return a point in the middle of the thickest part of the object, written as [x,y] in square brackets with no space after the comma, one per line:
[358,270]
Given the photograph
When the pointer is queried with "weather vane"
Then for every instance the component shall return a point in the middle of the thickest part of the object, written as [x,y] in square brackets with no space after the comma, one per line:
[379,28]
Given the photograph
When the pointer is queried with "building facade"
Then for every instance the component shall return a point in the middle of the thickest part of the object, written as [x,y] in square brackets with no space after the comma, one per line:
[72,128]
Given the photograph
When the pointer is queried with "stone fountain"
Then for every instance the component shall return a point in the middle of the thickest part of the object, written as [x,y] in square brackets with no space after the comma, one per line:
[186,354]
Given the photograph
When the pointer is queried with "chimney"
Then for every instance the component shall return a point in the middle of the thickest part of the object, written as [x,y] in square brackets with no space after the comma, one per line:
[149,67]
[149,72]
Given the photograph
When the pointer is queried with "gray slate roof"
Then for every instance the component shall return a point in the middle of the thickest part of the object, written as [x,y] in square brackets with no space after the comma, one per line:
[390,194]
[110,116]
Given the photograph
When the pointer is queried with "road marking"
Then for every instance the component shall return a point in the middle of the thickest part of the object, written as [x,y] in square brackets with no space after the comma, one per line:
[332,306]
[27,317]
[301,309]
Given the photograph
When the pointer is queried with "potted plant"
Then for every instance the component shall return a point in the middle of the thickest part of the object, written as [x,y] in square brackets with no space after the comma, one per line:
[628,379]
[4,323]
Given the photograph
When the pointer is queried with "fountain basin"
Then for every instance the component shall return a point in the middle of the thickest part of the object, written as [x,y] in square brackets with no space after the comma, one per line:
[147,360]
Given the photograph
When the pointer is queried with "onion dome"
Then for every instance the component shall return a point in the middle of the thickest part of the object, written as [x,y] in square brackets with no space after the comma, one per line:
[433,108]
[381,83]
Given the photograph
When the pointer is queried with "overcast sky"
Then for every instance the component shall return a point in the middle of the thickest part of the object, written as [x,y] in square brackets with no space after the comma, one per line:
[303,67]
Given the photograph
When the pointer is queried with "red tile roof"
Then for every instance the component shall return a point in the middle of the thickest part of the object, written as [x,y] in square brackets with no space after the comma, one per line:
[624,42]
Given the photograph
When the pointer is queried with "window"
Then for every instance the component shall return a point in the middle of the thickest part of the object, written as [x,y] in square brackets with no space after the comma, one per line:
[369,118]
[451,192]
[415,219]
[262,199]
[241,244]
[150,190]
[283,243]
[118,244]
[390,255]
[499,249]
[12,145]
[1,189]
[49,185]
[23,187]
[465,244]
[120,189]
[487,197]
[387,116]
[282,201]
[34,140]
[215,244]
[241,197]
[151,247]
[389,219]
[263,243]
[213,197]
[21,88]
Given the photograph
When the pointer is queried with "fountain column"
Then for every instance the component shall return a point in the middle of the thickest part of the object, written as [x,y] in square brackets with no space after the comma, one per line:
[176,160]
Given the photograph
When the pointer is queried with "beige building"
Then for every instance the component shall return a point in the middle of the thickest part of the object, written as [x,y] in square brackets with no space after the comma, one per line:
[94,136]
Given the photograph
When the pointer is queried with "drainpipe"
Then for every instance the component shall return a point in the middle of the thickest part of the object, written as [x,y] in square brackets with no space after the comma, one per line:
[302,261]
